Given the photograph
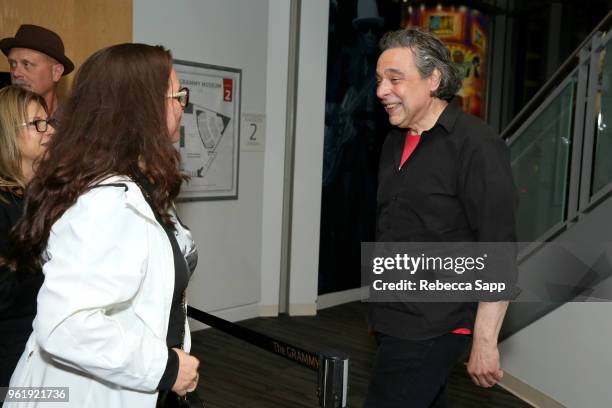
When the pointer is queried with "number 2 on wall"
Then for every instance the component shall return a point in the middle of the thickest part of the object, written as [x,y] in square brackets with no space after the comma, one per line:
[228,85]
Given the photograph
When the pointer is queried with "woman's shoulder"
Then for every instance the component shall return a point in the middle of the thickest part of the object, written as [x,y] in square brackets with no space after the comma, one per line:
[110,197]
[103,210]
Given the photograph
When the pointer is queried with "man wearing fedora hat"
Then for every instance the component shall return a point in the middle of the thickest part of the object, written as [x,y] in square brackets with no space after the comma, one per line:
[37,62]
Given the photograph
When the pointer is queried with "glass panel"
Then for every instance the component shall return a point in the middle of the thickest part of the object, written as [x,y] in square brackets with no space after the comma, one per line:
[540,162]
[602,167]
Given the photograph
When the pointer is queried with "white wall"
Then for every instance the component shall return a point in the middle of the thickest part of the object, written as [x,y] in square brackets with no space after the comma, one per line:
[240,240]
[566,355]
[229,33]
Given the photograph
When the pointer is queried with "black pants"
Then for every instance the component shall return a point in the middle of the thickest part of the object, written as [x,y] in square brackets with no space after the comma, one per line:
[413,373]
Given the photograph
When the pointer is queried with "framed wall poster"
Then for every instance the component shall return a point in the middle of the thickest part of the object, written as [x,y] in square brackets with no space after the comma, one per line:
[210,131]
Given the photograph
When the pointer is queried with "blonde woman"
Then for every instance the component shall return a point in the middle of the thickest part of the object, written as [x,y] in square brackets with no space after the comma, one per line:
[24,132]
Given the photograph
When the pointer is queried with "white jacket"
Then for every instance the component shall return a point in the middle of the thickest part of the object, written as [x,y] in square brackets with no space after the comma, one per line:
[104,306]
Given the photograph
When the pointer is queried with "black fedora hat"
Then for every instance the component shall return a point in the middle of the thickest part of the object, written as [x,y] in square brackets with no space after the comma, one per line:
[40,39]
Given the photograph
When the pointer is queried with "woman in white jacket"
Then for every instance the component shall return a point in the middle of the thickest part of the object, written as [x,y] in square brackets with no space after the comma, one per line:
[111,323]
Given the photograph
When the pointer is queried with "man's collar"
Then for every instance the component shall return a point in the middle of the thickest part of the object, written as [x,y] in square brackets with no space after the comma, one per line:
[446,120]
[449,115]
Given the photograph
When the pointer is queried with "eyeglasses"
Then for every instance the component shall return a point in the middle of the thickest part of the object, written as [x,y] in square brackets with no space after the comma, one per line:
[40,124]
[182,96]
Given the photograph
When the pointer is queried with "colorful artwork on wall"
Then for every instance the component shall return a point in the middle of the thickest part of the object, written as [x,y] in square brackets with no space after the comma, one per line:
[465,32]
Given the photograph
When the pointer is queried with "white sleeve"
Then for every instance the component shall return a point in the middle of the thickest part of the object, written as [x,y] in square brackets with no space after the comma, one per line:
[98,254]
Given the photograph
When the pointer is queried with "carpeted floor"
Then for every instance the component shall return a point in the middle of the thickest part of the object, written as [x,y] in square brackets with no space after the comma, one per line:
[234,374]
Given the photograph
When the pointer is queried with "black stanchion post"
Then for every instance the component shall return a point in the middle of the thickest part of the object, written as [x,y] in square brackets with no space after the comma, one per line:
[333,379]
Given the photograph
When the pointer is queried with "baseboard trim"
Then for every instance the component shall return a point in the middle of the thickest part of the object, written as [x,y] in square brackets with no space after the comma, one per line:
[268,310]
[528,393]
[339,298]
[306,309]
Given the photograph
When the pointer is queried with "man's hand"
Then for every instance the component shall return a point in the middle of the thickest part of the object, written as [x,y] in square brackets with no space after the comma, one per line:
[483,366]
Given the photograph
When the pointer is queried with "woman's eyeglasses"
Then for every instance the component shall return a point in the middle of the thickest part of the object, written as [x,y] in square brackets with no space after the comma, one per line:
[182,96]
[41,125]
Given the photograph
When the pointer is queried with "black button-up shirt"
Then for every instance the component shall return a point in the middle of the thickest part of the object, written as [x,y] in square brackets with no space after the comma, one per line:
[457,186]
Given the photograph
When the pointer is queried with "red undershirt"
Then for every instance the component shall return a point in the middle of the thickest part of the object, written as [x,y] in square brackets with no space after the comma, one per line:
[410,144]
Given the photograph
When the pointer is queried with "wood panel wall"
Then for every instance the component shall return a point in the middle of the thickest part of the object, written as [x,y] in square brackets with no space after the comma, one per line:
[84,25]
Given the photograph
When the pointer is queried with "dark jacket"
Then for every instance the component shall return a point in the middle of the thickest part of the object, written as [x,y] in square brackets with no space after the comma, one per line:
[18,293]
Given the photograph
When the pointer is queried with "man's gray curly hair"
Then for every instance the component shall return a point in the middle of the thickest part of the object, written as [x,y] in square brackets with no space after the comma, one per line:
[429,54]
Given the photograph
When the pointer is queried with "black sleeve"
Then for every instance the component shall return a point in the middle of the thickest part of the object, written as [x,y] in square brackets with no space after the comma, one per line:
[490,199]
[7,280]
[19,289]
[170,373]
[489,194]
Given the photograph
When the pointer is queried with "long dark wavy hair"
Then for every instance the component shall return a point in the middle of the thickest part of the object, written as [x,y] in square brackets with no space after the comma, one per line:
[114,123]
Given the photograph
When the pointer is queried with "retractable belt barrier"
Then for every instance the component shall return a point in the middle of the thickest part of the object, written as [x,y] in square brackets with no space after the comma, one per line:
[331,366]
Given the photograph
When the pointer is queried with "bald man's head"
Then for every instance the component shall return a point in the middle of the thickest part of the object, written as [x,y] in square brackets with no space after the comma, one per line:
[34,70]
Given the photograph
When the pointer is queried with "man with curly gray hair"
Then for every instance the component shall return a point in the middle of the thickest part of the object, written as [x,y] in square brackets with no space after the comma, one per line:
[444,176]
